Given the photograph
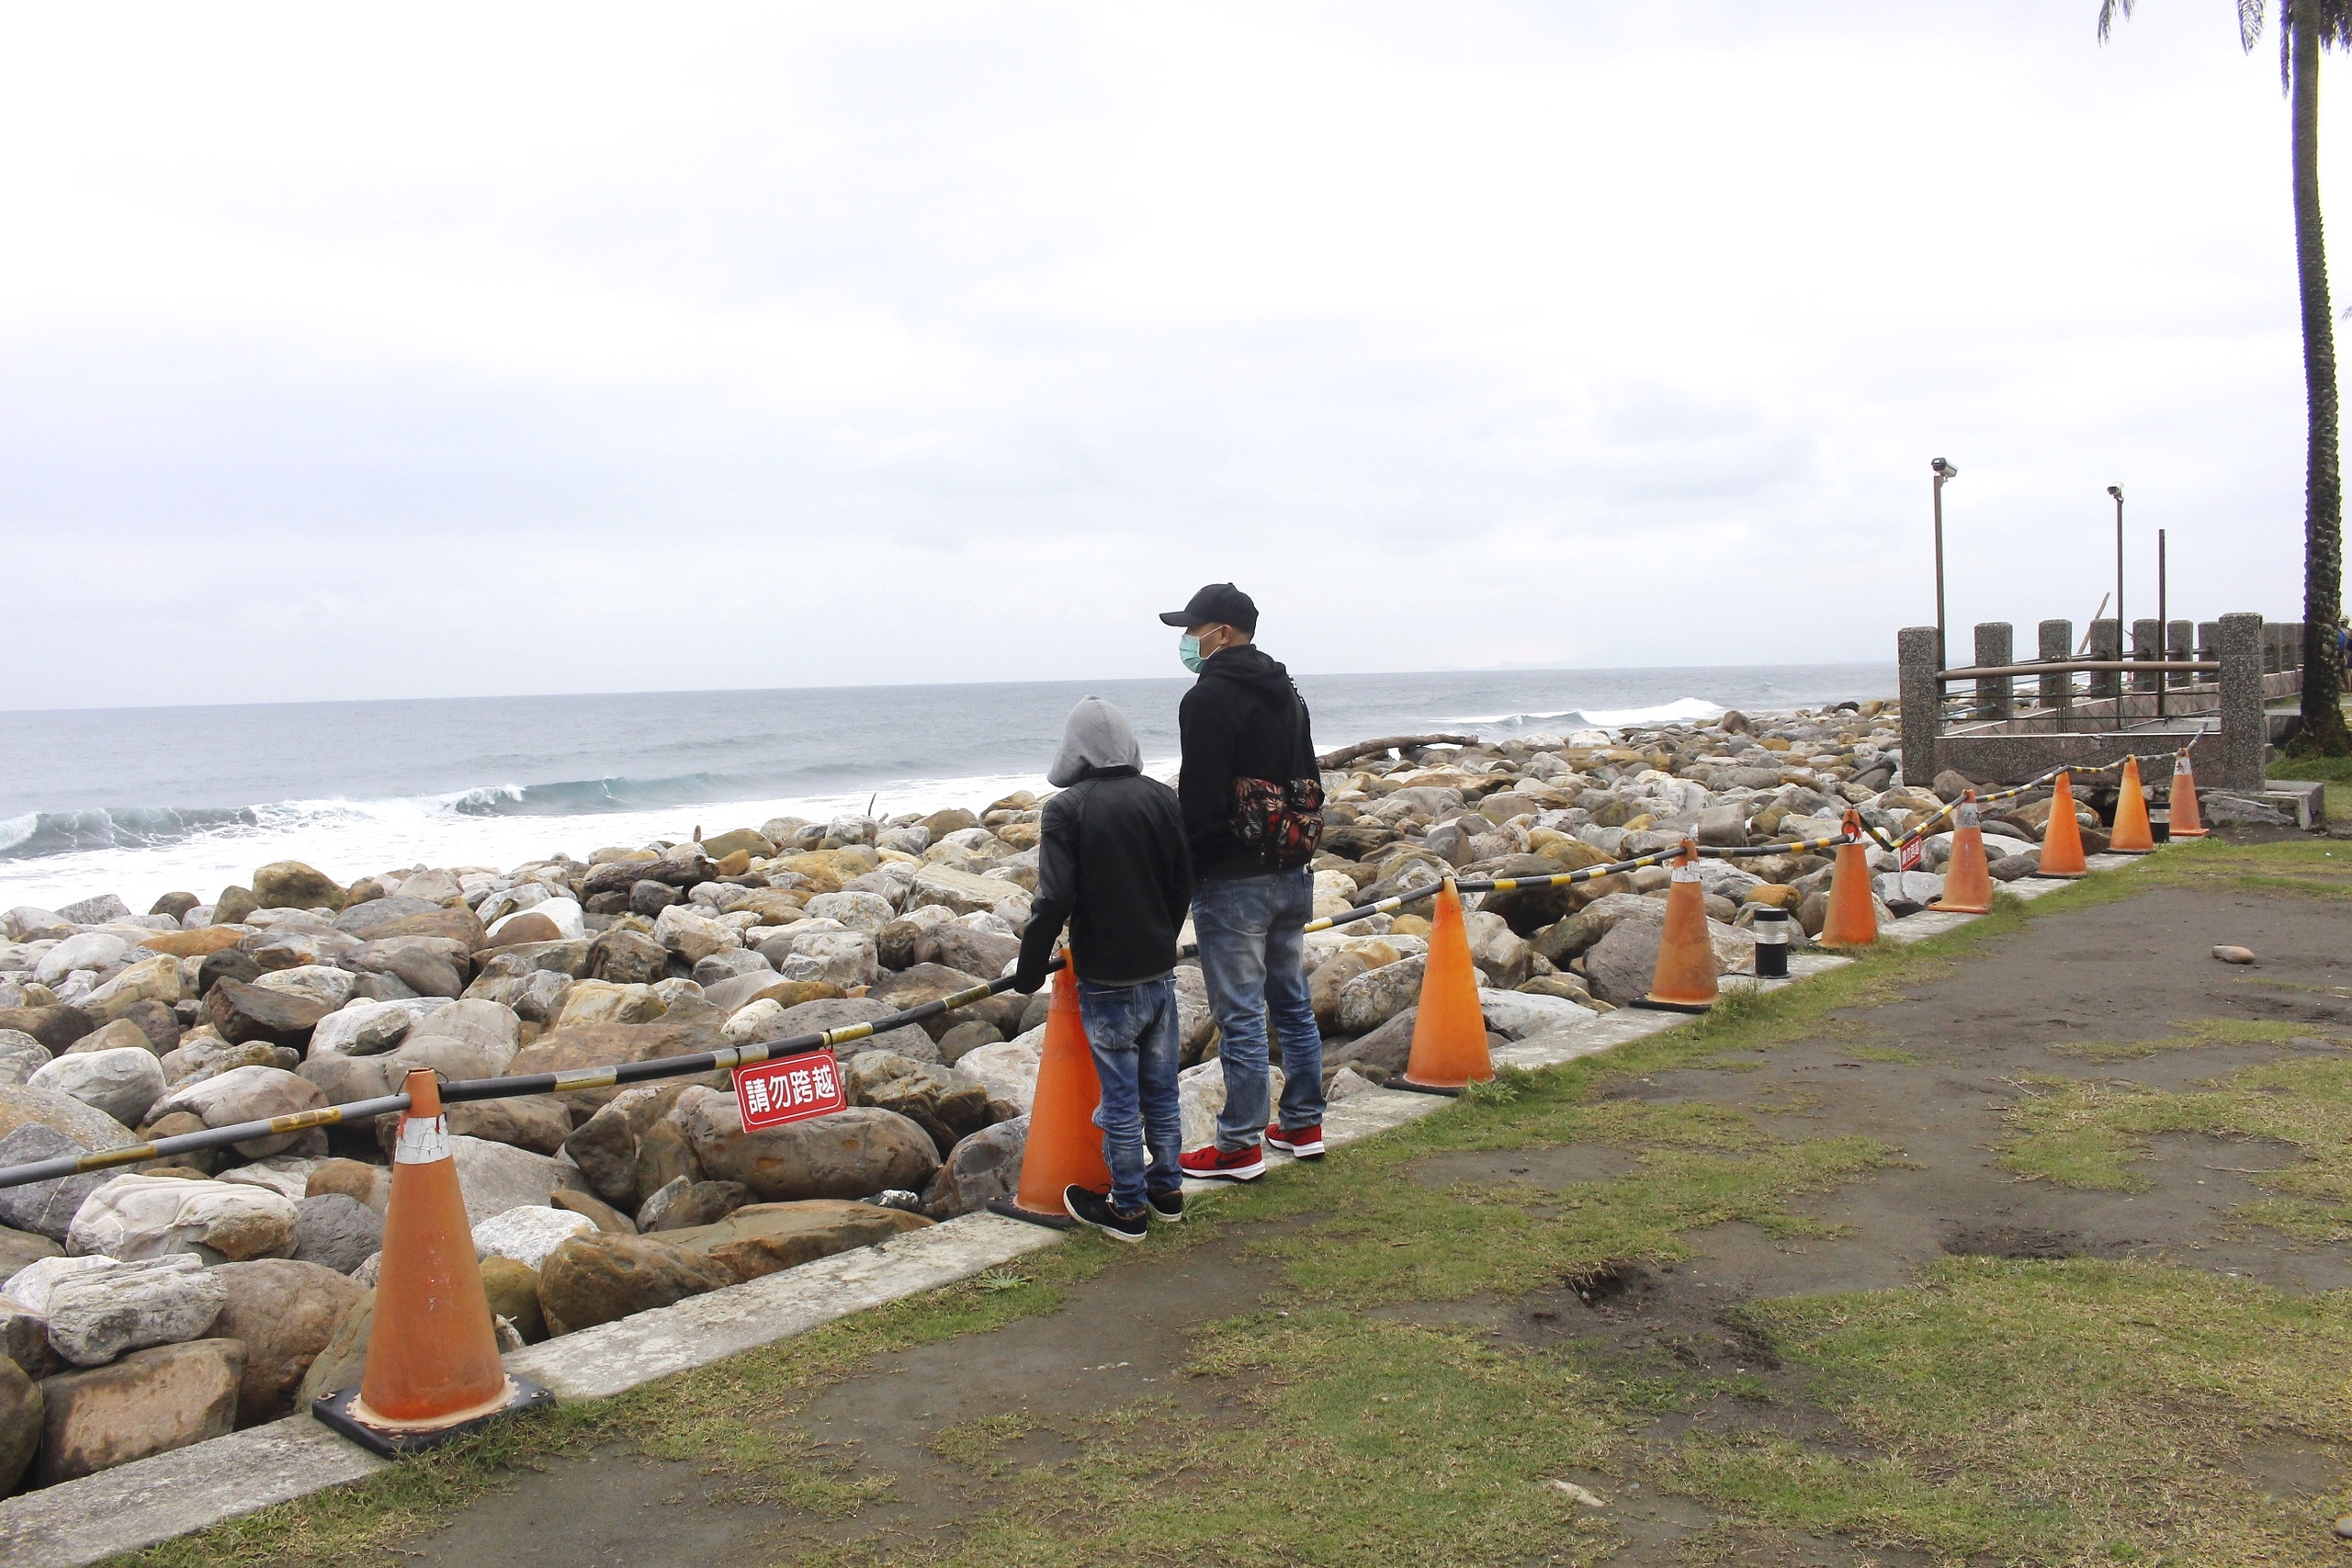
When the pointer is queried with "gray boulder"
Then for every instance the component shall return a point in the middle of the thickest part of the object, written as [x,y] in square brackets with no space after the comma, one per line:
[122,1082]
[852,1154]
[44,1208]
[336,1231]
[982,1168]
[96,1317]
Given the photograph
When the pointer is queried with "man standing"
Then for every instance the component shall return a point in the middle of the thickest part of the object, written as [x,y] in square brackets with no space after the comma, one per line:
[1111,860]
[1252,794]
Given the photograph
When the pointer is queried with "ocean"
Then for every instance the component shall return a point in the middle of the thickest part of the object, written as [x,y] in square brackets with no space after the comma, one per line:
[143,801]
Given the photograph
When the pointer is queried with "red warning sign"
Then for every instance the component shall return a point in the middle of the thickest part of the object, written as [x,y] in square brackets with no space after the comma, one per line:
[1913,853]
[790,1089]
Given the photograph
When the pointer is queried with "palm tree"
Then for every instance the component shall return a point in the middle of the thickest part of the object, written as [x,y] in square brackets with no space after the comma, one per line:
[2305,26]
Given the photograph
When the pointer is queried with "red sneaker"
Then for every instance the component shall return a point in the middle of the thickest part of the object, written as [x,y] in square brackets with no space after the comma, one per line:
[1213,1164]
[1299,1142]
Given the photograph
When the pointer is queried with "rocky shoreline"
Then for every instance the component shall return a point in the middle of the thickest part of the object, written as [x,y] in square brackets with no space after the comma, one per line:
[181,1299]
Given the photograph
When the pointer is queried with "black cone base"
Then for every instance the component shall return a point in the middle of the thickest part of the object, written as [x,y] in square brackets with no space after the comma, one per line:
[334,1409]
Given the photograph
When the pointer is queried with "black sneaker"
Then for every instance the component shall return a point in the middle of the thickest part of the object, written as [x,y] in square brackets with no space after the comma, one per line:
[1094,1209]
[1168,1206]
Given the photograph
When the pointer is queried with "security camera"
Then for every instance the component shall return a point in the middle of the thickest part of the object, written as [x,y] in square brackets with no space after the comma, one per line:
[1944,471]
[2116,491]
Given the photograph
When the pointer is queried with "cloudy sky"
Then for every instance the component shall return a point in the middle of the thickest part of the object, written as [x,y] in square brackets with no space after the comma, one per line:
[497,349]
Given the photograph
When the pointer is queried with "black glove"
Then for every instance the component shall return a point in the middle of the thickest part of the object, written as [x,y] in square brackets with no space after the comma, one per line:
[1028,976]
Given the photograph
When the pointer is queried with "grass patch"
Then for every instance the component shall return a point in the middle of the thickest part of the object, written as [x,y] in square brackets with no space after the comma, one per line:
[1367,1443]
[2051,1413]
[2194,1033]
[2091,1134]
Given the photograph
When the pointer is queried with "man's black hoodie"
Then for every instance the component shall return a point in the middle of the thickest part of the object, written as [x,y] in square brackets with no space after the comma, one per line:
[1243,719]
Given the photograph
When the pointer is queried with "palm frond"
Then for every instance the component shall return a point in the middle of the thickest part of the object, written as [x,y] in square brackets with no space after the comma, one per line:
[2109,10]
[2250,13]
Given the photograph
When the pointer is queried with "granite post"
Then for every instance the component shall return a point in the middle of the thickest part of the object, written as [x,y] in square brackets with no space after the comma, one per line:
[1996,644]
[2246,734]
[2107,642]
[2147,642]
[2057,646]
[2180,647]
[1916,668]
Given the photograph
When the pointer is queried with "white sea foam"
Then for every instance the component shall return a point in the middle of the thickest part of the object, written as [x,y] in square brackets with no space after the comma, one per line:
[350,839]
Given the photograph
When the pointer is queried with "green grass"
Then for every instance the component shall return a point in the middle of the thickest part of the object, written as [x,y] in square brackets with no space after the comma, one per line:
[2053,1413]
[2092,1135]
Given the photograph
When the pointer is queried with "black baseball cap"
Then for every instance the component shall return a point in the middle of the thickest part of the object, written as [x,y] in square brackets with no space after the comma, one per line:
[1220,604]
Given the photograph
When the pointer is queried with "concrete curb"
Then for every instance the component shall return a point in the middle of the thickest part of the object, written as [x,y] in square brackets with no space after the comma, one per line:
[139,1504]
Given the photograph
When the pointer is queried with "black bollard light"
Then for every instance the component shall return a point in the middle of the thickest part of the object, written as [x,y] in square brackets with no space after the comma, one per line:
[1772,932]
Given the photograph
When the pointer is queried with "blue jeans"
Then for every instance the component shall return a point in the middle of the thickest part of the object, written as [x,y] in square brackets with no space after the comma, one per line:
[1253,957]
[1132,1031]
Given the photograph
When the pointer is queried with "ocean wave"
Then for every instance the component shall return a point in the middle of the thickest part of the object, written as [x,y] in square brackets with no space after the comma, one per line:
[587,797]
[40,833]
[1681,709]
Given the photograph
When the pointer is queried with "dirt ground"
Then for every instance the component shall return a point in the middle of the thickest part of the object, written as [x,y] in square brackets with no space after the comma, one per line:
[1933,1074]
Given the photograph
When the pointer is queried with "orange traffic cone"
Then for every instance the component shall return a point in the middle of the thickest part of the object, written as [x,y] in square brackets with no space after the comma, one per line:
[1853,912]
[1968,881]
[2131,835]
[2186,821]
[1449,1030]
[2061,841]
[1684,980]
[1064,1146]
[433,1370]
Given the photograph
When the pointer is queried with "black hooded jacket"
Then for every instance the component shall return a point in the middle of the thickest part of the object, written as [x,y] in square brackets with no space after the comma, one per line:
[1243,719]
[1111,860]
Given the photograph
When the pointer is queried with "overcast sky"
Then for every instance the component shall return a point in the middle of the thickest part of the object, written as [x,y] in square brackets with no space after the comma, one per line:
[498,349]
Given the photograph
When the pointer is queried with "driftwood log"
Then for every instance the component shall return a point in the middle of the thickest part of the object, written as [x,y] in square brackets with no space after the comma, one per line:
[1346,754]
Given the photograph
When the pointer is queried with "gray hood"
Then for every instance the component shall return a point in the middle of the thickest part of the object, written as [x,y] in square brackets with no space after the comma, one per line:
[1097,739]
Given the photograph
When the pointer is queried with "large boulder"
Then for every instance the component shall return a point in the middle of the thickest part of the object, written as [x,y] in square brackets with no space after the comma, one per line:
[602,1277]
[495,1178]
[1378,995]
[20,1249]
[529,1232]
[681,1202]
[682,1032]
[924,983]
[428,965]
[336,1231]
[627,958]
[56,1026]
[152,1217]
[320,982]
[961,892]
[851,1154]
[370,1029]
[1501,955]
[945,1104]
[122,1082]
[1516,1015]
[492,1032]
[151,980]
[764,1238]
[246,1094]
[694,937]
[844,958]
[243,1012]
[979,1170]
[21,1056]
[291,885]
[90,1128]
[20,1423]
[604,1146]
[606,1001]
[149,1402]
[1010,1070]
[535,1121]
[95,951]
[96,1316]
[954,945]
[44,1208]
[283,1311]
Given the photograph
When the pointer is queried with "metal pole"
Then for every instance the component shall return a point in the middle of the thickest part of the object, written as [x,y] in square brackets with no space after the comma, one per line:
[1943,652]
[2163,622]
[2122,627]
